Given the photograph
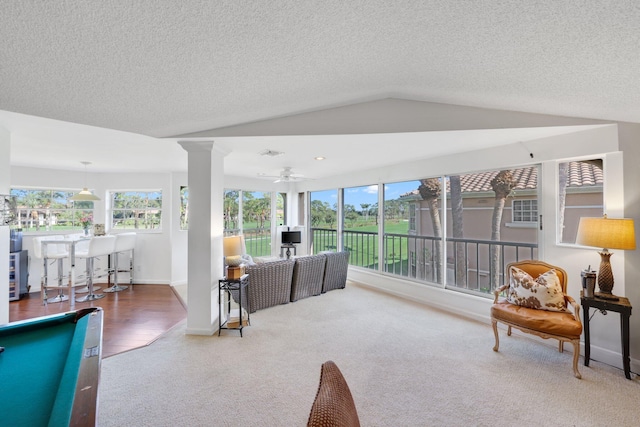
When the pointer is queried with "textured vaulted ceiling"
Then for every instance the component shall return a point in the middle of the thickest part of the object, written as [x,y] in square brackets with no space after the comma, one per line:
[163,68]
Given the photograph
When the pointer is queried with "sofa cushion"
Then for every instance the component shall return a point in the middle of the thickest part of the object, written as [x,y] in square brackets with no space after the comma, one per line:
[542,293]
[335,270]
[269,284]
[551,322]
[308,273]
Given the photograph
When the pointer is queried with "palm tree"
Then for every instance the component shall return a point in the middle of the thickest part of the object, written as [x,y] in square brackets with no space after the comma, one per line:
[502,184]
[365,210]
[563,178]
[458,230]
[430,190]
[231,209]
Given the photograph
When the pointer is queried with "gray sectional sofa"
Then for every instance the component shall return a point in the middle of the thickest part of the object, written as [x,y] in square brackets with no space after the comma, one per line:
[279,282]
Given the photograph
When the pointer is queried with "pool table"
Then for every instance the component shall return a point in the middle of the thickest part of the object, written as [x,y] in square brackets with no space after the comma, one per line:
[49,369]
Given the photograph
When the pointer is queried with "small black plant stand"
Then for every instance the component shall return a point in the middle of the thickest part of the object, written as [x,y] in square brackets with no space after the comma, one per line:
[228,285]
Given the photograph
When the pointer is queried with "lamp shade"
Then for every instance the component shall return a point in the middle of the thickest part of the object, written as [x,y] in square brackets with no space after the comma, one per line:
[232,246]
[84,195]
[606,233]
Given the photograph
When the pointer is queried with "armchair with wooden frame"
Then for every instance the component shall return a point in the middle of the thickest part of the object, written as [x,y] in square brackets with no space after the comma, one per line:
[565,326]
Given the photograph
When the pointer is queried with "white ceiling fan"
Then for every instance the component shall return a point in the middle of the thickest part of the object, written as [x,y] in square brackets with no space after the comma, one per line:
[286,175]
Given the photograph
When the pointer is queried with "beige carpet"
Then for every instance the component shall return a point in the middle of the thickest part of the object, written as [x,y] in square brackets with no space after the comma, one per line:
[406,365]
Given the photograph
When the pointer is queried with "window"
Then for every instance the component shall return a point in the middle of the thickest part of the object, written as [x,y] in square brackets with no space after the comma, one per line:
[397,222]
[281,208]
[360,233]
[413,246]
[323,212]
[482,237]
[137,210]
[524,210]
[231,208]
[48,210]
[412,217]
[256,222]
[580,194]
[184,207]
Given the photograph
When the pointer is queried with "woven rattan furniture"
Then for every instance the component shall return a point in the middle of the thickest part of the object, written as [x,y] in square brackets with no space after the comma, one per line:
[563,326]
[333,404]
[335,270]
[269,284]
[308,273]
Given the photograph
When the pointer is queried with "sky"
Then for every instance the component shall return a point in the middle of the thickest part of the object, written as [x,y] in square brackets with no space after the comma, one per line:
[357,196]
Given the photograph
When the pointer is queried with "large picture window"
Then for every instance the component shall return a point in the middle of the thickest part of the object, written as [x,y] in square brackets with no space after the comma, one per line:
[397,225]
[136,210]
[413,246]
[324,220]
[256,222]
[580,185]
[48,210]
[360,225]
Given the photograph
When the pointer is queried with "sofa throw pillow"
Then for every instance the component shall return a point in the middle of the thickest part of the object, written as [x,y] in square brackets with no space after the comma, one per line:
[543,293]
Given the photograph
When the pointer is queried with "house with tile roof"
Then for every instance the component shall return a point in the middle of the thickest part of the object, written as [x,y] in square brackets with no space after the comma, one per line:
[583,183]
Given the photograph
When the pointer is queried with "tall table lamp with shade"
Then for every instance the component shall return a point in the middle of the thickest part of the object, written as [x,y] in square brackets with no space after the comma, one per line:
[232,247]
[606,233]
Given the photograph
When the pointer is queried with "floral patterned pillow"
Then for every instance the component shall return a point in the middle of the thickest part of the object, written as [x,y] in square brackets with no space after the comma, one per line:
[543,293]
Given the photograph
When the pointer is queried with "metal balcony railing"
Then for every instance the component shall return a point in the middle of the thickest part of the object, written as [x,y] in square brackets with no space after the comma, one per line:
[418,257]
[257,241]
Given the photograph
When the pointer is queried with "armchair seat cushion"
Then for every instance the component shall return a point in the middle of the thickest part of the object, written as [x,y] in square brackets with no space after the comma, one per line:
[550,322]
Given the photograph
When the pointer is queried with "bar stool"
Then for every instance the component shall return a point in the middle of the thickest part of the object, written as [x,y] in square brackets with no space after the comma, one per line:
[57,253]
[125,242]
[82,247]
[98,246]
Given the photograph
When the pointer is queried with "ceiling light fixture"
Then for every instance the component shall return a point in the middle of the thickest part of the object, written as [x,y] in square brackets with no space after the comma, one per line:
[85,194]
[320,158]
[271,153]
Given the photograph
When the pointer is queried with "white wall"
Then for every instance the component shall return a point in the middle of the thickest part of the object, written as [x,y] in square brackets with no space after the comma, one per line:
[5,145]
[153,254]
[630,146]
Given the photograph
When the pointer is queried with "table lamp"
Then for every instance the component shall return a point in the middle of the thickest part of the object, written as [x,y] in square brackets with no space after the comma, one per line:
[606,233]
[232,247]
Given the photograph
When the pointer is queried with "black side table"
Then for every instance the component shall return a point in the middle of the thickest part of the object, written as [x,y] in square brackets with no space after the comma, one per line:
[228,285]
[621,306]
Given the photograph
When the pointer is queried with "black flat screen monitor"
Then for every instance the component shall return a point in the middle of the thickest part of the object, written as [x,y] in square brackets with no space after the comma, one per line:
[291,237]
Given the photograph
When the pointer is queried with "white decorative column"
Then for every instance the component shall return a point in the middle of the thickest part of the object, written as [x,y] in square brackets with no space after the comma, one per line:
[206,187]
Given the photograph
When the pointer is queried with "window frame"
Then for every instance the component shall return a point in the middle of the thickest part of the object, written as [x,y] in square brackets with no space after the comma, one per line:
[76,211]
[111,209]
[532,213]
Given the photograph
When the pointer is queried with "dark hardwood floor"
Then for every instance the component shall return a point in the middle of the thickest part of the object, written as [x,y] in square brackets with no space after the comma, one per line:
[133,318]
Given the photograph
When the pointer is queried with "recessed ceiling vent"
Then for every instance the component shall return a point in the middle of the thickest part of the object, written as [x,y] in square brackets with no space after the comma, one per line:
[271,153]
